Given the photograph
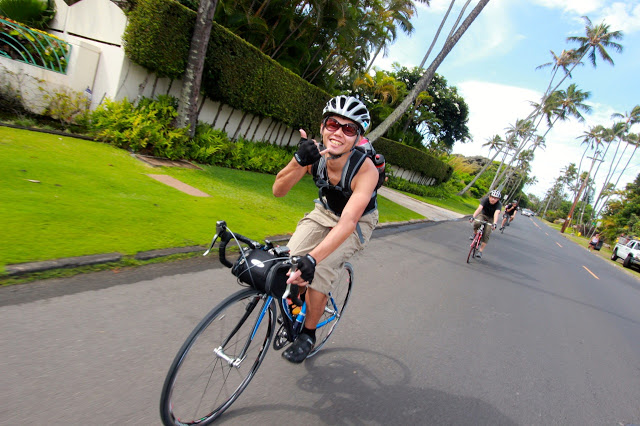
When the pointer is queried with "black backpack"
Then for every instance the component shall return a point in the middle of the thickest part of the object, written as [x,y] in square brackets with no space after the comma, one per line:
[378,161]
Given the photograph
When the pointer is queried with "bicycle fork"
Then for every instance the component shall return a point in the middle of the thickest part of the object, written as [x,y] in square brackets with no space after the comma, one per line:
[237,361]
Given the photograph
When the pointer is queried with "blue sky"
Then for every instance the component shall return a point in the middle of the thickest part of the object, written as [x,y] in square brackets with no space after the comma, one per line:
[494,68]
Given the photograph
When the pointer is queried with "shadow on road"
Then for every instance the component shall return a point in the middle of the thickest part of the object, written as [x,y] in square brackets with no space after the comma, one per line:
[355,386]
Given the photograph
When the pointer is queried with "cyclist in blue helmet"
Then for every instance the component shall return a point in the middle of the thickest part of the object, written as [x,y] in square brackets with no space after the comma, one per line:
[345,213]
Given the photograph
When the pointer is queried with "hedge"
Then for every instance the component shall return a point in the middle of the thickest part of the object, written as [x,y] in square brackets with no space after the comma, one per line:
[236,73]
[410,158]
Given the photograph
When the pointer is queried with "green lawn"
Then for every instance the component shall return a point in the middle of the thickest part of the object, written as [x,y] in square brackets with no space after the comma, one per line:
[454,203]
[64,197]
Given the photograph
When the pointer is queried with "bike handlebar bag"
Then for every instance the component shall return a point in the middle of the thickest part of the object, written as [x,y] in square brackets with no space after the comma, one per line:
[262,270]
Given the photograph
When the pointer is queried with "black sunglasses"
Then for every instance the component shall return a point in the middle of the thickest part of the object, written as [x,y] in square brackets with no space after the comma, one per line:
[349,129]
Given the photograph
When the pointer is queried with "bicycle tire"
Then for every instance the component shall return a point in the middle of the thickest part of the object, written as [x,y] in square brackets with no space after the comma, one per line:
[333,311]
[200,385]
[474,247]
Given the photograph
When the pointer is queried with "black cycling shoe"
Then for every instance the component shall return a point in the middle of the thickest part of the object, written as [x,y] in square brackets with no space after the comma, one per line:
[479,255]
[299,350]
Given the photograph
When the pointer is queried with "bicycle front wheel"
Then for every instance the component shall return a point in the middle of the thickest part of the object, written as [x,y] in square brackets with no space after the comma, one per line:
[333,311]
[218,359]
[473,248]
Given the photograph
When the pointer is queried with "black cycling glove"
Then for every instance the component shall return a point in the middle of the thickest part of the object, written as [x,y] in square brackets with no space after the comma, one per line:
[307,153]
[307,266]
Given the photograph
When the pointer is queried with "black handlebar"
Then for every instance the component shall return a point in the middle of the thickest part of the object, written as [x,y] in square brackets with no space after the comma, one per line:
[225,236]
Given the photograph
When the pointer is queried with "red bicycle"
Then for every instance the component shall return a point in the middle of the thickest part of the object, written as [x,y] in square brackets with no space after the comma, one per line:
[477,237]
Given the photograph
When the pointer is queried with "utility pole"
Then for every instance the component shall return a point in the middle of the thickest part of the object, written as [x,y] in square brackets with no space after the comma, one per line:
[584,183]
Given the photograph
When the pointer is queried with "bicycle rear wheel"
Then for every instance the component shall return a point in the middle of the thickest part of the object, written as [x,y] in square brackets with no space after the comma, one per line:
[201,384]
[338,299]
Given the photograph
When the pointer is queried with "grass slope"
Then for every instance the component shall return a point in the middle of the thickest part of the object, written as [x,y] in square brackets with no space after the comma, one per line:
[92,198]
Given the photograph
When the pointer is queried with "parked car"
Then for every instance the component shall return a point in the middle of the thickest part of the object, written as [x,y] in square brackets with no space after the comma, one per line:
[629,252]
[527,212]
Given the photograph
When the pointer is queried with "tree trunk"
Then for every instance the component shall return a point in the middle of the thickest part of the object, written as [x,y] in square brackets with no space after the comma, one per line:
[187,108]
[428,75]
[435,38]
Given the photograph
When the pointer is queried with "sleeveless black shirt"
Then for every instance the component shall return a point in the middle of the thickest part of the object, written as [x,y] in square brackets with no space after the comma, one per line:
[335,197]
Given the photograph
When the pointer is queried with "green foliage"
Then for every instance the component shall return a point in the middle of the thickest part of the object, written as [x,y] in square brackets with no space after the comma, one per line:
[417,189]
[67,107]
[410,158]
[207,147]
[33,46]
[255,156]
[235,73]
[33,13]
[151,43]
[146,128]
[622,215]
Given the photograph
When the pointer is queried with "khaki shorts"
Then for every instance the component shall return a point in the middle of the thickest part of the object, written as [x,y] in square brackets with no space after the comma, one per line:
[310,232]
[487,229]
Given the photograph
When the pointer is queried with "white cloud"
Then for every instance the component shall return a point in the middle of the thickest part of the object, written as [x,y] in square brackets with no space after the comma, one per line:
[494,107]
[486,39]
[580,7]
[621,16]
[486,102]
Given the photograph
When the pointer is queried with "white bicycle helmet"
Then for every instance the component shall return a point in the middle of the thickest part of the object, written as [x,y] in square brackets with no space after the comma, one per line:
[495,193]
[351,108]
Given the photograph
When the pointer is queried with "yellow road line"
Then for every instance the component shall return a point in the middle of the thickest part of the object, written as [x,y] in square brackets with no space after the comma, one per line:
[558,244]
[594,275]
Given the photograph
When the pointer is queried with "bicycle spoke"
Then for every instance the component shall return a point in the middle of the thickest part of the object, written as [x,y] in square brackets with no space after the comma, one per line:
[338,299]
[202,381]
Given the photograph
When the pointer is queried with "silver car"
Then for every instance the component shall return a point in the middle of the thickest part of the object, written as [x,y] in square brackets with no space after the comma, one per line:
[527,212]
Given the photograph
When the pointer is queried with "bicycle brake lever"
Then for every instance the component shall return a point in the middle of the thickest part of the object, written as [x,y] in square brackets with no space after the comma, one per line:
[215,237]
[294,266]
[221,227]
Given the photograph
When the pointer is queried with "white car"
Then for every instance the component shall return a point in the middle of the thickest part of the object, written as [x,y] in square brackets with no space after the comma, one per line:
[527,212]
[629,253]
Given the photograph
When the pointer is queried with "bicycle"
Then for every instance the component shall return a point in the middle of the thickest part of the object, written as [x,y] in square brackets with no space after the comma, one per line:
[224,351]
[506,221]
[475,243]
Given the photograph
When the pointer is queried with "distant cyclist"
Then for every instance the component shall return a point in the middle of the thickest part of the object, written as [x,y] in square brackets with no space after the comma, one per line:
[489,211]
[510,211]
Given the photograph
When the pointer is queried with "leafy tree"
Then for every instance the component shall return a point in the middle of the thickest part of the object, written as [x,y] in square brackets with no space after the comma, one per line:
[440,114]
[621,215]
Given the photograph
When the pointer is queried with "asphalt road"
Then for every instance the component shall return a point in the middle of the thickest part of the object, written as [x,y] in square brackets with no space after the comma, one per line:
[538,332]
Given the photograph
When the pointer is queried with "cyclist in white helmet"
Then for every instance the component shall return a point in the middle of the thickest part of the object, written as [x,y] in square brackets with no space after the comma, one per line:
[488,210]
[510,211]
[345,213]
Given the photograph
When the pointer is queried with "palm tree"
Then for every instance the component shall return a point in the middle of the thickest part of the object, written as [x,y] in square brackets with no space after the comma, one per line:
[563,61]
[521,130]
[594,43]
[632,139]
[188,105]
[428,75]
[496,143]
[597,40]
[510,145]
[592,139]
[435,37]
[395,12]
